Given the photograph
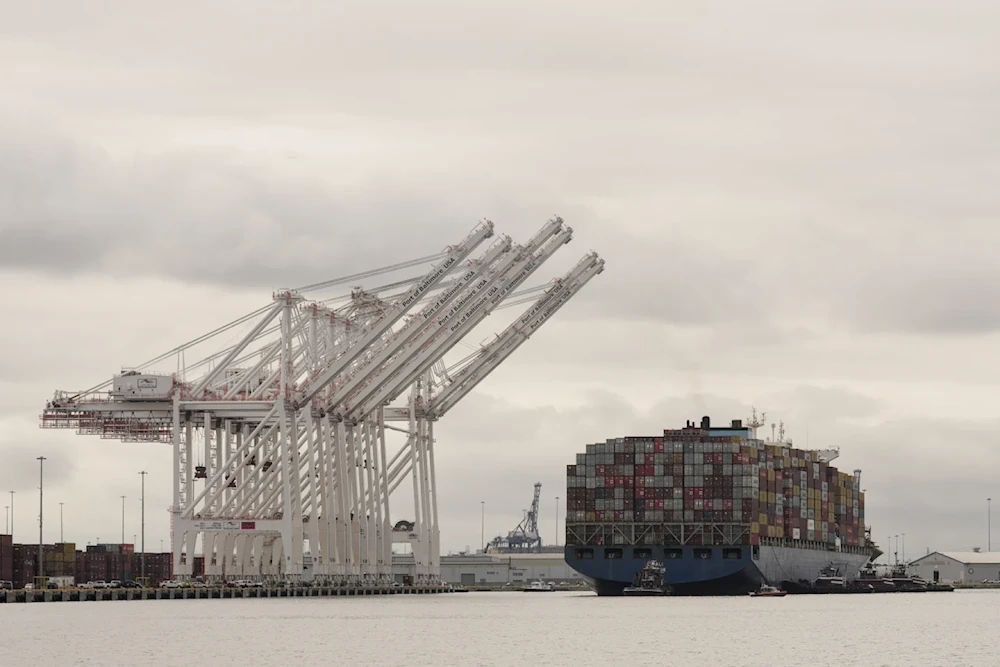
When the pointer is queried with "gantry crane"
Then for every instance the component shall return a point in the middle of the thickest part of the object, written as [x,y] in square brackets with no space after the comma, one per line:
[525,536]
[280,439]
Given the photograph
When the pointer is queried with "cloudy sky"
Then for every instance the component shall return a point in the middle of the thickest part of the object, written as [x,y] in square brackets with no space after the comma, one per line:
[796,202]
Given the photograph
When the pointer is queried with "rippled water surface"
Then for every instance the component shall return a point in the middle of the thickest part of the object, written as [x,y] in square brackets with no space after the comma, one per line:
[578,629]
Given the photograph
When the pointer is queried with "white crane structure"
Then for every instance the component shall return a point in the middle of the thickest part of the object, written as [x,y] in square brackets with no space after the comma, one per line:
[280,440]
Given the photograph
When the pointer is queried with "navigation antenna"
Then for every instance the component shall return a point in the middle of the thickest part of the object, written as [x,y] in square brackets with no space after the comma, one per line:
[754,423]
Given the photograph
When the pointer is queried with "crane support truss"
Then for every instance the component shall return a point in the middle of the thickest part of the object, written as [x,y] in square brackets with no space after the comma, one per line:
[281,441]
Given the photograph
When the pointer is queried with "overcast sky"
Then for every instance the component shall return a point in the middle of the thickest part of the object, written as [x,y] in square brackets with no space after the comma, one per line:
[797,203]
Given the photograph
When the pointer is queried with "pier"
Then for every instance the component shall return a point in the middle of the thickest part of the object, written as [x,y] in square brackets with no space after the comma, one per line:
[118,594]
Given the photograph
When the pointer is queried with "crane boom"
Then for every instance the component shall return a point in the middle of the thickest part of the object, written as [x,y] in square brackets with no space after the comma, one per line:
[451,333]
[513,337]
[453,256]
[419,325]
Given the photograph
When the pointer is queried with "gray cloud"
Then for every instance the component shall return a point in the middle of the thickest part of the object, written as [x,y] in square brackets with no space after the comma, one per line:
[794,202]
[66,208]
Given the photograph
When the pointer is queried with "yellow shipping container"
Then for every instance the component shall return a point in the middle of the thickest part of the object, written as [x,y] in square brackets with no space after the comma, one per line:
[770,497]
[755,528]
[779,532]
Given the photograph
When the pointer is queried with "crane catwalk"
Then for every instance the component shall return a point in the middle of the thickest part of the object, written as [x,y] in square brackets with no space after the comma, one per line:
[281,438]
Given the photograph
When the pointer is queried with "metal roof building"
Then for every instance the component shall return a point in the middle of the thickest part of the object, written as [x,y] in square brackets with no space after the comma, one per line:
[958,566]
[495,569]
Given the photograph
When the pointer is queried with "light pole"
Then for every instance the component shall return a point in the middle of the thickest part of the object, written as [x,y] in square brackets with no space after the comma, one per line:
[482,538]
[904,548]
[61,541]
[557,520]
[989,527]
[895,553]
[41,550]
[12,515]
[142,473]
[123,520]
[6,524]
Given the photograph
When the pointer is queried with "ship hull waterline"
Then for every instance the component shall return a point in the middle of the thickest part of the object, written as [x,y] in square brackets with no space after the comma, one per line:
[713,576]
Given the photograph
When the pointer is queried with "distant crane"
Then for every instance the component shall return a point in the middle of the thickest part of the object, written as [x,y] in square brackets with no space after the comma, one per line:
[525,537]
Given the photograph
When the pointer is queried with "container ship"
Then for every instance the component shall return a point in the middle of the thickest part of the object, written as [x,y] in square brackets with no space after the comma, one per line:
[723,510]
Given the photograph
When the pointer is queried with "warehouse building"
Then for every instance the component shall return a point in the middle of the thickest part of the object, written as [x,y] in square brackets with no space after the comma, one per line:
[481,569]
[953,567]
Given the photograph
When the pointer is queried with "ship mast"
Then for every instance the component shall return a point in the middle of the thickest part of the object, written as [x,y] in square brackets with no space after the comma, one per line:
[754,423]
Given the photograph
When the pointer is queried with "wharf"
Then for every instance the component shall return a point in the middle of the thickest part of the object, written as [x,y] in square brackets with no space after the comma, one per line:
[116,594]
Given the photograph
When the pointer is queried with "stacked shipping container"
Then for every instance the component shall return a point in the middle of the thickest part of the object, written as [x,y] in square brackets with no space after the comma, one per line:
[6,558]
[102,562]
[59,561]
[692,477]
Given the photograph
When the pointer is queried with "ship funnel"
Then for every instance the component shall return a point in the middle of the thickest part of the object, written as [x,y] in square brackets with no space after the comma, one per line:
[706,423]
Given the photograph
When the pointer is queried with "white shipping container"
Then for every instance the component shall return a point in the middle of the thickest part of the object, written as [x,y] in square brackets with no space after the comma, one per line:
[796,534]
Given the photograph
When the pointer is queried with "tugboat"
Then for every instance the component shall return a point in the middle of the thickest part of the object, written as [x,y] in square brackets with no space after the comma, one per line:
[829,581]
[649,580]
[768,592]
[904,582]
[868,576]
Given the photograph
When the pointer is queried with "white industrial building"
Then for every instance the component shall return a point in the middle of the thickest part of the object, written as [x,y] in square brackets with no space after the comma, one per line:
[494,569]
[951,567]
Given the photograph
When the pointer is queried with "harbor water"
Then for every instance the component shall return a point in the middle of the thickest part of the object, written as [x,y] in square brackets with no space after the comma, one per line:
[577,629]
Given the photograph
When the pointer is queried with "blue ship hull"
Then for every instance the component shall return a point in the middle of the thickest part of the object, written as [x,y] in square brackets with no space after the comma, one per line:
[686,573]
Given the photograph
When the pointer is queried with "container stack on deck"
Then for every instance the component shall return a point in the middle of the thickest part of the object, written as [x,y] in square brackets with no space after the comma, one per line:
[690,476]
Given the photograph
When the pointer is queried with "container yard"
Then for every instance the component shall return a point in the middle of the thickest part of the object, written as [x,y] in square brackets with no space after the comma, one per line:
[280,440]
[724,510]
